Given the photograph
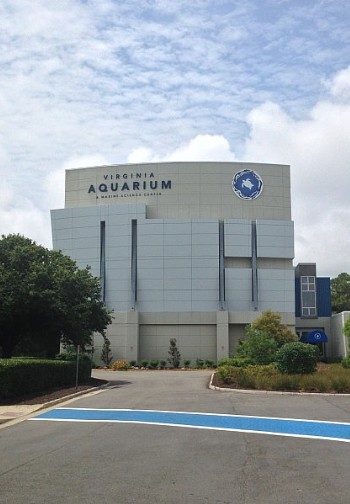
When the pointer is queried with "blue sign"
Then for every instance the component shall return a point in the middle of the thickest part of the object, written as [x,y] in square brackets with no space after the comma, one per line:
[247,184]
[314,337]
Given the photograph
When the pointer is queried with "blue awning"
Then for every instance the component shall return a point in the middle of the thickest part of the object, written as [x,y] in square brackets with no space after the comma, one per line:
[314,337]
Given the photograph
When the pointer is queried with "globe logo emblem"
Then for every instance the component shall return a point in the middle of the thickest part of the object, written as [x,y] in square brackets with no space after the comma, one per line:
[317,336]
[247,184]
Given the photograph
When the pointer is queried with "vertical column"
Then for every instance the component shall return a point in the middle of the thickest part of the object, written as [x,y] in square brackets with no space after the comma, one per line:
[255,289]
[222,301]
[103,259]
[133,263]
[222,335]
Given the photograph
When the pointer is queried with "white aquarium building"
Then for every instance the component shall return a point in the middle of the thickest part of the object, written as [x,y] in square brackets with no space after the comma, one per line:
[185,250]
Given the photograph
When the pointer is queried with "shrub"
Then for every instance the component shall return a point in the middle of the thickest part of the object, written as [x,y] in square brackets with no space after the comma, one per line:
[209,364]
[187,364]
[153,364]
[258,348]
[144,363]
[174,354]
[162,364]
[346,362]
[199,363]
[225,361]
[133,363]
[297,357]
[20,376]
[226,373]
[270,323]
[120,365]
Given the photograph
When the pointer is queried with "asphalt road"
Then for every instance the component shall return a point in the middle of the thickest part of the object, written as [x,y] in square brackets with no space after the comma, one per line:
[68,462]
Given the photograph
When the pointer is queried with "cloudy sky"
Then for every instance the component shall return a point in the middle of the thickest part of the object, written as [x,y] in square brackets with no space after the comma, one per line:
[85,82]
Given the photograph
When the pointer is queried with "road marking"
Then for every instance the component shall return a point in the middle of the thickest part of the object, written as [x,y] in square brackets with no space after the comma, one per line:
[301,428]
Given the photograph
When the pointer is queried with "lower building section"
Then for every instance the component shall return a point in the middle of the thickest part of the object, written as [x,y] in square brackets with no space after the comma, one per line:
[200,335]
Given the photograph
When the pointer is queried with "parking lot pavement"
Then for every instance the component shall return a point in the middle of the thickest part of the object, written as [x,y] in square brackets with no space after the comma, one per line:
[49,461]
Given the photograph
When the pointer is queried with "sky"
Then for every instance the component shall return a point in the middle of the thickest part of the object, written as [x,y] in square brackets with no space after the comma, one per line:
[90,82]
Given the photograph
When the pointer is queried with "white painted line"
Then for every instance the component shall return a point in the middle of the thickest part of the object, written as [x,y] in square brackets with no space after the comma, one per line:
[247,431]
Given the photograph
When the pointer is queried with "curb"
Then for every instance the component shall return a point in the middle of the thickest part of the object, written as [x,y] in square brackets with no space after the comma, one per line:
[12,421]
[273,392]
[72,396]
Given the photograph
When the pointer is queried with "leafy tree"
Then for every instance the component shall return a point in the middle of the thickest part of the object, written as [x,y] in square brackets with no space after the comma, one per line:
[46,298]
[174,354]
[269,323]
[340,290]
[258,348]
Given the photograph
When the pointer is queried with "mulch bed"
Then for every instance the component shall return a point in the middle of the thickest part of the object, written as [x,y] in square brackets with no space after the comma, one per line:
[52,394]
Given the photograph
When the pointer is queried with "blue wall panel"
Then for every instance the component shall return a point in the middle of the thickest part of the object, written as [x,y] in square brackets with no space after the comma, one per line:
[324,297]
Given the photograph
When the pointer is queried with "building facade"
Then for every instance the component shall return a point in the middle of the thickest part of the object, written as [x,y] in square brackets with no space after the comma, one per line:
[185,250]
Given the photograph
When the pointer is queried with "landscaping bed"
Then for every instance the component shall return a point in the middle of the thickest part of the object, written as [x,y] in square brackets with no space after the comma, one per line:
[328,378]
[53,394]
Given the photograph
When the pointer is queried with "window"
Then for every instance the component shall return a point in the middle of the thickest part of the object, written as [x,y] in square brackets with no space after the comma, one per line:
[308,296]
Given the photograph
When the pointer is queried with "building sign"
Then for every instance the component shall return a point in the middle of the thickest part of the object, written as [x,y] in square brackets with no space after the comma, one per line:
[117,185]
[247,184]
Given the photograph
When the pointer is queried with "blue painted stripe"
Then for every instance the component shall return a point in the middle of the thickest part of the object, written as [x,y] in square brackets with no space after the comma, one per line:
[288,427]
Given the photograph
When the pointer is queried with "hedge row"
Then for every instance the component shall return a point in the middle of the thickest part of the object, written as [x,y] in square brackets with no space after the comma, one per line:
[20,376]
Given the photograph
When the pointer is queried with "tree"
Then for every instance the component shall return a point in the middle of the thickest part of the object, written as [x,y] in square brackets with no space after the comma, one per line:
[258,348]
[340,290]
[269,323]
[46,298]
[174,354]
[106,354]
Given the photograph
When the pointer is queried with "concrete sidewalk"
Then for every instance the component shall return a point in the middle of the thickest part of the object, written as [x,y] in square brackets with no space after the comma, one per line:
[13,412]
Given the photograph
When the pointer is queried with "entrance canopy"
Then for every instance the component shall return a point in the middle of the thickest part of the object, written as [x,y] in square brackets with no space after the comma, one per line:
[314,337]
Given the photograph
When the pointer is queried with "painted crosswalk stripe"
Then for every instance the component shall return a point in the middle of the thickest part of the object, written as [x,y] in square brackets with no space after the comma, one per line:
[313,429]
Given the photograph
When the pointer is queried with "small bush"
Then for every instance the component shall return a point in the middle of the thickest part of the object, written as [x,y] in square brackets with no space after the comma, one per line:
[346,362]
[133,363]
[153,364]
[228,373]
[187,364]
[120,365]
[258,348]
[209,364]
[144,363]
[162,364]
[226,361]
[297,358]
[199,363]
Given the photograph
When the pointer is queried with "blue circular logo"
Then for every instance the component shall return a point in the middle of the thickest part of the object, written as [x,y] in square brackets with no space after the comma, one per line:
[247,184]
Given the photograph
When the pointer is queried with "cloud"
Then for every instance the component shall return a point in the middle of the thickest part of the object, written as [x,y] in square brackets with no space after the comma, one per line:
[199,148]
[340,84]
[318,150]
[142,80]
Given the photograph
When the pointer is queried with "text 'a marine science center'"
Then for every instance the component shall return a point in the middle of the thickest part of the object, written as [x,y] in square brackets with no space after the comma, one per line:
[190,250]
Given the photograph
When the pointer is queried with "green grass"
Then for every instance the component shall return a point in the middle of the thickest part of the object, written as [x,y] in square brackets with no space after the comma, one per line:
[328,378]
